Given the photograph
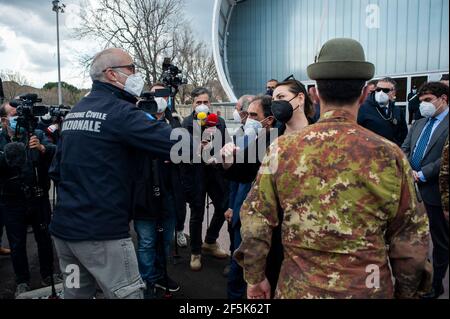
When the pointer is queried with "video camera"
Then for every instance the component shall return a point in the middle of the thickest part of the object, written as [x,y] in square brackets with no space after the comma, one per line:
[26,106]
[171,76]
[58,112]
[28,111]
[148,103]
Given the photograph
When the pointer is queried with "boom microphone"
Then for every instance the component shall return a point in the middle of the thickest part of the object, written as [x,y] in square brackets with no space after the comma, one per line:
[15,154]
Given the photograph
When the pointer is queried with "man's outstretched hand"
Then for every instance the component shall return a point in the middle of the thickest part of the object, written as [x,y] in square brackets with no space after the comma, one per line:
[259,291]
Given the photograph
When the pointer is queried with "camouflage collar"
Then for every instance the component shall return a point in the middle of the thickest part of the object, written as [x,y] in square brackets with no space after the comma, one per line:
[341,115]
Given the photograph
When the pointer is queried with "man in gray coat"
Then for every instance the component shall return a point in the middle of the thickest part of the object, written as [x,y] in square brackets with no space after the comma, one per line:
[423,146]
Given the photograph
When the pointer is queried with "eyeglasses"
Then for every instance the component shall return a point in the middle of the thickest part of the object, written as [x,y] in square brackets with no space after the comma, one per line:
[131,67]
[290,77]
[387,91]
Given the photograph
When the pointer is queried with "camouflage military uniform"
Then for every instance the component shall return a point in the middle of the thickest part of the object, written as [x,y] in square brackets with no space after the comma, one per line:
[443,180]
[348,201]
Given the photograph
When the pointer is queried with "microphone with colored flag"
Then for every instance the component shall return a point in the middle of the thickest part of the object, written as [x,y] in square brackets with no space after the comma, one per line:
[212,120]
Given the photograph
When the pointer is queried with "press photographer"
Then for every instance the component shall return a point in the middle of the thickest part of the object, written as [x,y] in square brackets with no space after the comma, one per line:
[25,158]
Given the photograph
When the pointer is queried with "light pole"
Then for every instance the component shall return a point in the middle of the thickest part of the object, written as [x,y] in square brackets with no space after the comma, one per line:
[58,8]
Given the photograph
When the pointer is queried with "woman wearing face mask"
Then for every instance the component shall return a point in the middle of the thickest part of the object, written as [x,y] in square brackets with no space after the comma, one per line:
[292,105]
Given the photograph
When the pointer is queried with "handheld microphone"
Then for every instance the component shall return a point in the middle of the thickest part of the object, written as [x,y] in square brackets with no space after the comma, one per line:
[15,154]
[212,120]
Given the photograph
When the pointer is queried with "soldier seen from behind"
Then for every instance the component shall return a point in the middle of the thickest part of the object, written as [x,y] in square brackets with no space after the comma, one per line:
[350,222]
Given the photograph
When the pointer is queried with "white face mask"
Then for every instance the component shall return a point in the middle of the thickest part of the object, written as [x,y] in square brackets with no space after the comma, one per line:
[202,109]
[134,84]
[236,116]
[162,104]
[381,98]
[427,109]
[252,126]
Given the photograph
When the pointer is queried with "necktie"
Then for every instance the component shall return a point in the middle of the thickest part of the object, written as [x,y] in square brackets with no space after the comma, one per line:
[422,146]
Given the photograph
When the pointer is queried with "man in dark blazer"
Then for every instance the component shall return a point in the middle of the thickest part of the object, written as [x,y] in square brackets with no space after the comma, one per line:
[423,146]
[381,115]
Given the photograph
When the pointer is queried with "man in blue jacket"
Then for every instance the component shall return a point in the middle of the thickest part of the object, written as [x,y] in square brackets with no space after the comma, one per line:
[93,171]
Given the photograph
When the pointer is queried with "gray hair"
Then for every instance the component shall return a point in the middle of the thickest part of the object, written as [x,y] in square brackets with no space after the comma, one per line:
[245,101]
[103,60]
[389,80]
[200,91]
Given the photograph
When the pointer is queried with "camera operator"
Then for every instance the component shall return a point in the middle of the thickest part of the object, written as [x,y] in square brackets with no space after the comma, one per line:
[93,170]
[201,179]
[156,197]
[21,192]
[172,117]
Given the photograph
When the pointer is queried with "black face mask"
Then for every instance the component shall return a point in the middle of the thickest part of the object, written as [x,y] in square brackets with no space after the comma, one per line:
[269,92]
[282,110]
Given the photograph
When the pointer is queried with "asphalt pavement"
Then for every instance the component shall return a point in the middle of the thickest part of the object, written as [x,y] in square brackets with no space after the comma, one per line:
[209,283]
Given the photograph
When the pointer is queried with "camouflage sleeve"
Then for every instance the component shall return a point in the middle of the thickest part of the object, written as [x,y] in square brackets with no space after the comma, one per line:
[259,215]
[443,179]
[407,237]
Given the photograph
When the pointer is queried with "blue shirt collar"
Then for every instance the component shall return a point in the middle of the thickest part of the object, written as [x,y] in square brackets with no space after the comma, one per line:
[442,116]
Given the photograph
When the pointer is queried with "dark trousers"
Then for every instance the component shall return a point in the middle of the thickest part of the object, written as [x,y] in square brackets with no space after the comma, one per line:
[200,180]
[236,285]
[17,217]
[275,259]
[2,224]
[179,197]
[439,230]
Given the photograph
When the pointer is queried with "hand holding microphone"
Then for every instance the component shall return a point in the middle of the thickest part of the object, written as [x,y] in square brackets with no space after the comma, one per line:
[208,135]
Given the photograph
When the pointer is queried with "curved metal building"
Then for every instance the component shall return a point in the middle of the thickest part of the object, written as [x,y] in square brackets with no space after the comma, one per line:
[257,40]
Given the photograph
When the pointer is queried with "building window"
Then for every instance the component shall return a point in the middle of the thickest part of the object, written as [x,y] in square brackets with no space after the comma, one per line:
[418,81]
[402,86]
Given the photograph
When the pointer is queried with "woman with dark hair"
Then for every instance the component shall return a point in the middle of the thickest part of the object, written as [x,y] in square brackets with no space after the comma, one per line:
[292,105]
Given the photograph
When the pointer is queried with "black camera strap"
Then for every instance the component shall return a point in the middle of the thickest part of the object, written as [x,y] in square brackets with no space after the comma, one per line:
[159,225]
[156,179]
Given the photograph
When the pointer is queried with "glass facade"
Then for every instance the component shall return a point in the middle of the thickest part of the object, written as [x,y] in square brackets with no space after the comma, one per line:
[257,40]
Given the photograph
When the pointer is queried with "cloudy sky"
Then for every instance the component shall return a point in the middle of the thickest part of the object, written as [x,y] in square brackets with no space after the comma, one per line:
[28,38]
